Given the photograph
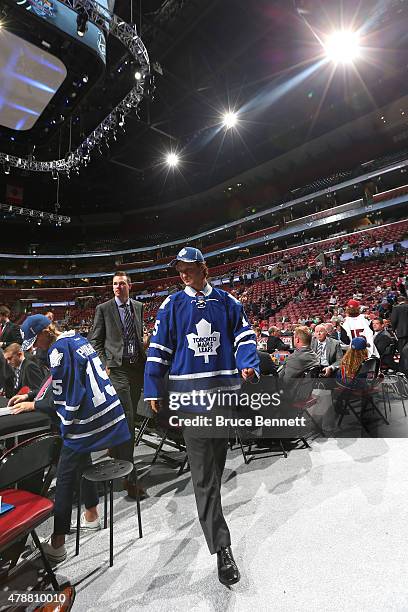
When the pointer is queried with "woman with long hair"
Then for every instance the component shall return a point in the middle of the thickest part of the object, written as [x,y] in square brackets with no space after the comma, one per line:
[351,362]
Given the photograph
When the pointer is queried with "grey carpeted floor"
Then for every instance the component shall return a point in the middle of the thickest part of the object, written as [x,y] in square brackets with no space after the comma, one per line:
[324,529]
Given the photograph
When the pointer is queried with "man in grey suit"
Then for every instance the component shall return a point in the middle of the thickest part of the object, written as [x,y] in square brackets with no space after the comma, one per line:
[303,358]
[327,349]
[117,336]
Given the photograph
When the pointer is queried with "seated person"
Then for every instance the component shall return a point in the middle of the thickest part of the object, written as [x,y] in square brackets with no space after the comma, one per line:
[266,365]
[23,372]
[327,349]
[78,386]
[386,344]
[274,342]
[303,358]
[351,363]
[4,369]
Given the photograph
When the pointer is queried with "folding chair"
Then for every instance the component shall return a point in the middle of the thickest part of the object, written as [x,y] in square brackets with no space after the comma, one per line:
[30,510]
[361,393]
[395,384]
[303,399]
[173,437]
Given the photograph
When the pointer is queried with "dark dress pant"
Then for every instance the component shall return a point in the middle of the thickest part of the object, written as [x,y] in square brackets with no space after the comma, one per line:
[207,457]
[128,382]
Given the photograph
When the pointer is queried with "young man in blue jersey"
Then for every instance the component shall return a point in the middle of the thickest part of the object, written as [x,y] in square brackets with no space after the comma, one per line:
[91,418]
[203,341]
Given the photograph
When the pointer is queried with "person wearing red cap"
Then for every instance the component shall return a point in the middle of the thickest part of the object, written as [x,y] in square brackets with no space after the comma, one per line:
[356,325]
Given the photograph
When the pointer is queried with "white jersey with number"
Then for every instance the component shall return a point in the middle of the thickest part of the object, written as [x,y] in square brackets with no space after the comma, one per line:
[360,327]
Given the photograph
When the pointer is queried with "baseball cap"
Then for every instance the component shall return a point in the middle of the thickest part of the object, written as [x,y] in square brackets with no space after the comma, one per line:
[353,304]
[30,329]
[359,343]
[189,255]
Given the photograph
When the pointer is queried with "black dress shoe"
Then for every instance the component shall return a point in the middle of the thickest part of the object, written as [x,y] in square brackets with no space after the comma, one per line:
[228,572]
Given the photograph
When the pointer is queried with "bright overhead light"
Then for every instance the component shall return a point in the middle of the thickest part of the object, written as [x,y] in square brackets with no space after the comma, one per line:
[343,46]
[172,159]
[138,75]
[229,120]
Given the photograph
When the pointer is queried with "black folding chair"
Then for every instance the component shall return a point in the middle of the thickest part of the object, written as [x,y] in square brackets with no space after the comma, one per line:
[173,437]
[30,510]
[303,398]
[246,440]
[360,393]
[387,360]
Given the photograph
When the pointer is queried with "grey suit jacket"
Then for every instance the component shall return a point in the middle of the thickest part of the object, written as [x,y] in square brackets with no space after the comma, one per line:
[106,335]
[298,363]
[334,354]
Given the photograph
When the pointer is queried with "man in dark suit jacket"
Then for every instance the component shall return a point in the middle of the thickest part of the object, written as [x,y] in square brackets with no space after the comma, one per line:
[327,349]
[303,358]
[117,336]
[274,342]
[399,322]
[385,343]
[22,372]
[9,332]
[4,369]
[266,365]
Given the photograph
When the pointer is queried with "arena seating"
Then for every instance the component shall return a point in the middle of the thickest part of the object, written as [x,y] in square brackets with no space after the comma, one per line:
[292,260]
[366,272]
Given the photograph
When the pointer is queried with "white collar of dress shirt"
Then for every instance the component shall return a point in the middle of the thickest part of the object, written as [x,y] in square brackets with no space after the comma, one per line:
[120,303]
[192,292]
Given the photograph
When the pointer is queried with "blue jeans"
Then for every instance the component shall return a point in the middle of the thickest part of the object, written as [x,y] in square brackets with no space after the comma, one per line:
[70,467]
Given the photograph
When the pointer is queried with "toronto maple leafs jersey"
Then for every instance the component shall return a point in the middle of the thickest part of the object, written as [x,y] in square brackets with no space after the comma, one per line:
[91,415]
[202,341]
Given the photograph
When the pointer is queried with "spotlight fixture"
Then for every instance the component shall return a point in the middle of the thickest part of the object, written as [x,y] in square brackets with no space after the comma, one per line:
[54,175]
[89,11]
[229,119]
[82,22]
[172,159]
[343,47]
[6,168]
[138,75]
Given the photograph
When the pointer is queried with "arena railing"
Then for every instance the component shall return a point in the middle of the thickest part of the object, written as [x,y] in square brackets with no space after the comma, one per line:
[276,208]
[391,232]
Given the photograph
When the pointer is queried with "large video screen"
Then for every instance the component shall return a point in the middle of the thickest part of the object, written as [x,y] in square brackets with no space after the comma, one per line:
[29,78]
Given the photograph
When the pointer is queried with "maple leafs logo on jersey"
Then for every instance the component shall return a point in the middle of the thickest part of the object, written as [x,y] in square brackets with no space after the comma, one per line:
[205,342]
[55,358]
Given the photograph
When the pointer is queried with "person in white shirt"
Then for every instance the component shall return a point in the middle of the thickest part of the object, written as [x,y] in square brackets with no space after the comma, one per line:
[356,325]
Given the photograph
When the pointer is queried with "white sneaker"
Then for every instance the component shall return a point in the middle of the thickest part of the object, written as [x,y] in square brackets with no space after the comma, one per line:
[86,525]
[55,555]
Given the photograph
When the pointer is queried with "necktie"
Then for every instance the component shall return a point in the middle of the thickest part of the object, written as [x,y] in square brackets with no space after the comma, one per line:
[16,378]
[129,330]
[320,348]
